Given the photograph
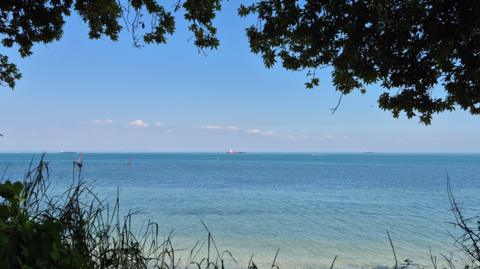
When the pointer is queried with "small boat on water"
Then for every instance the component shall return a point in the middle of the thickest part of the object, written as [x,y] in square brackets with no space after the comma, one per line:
[231,151]
[67,152]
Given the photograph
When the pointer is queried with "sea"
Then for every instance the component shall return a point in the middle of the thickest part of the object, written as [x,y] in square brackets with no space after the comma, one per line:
[310,207]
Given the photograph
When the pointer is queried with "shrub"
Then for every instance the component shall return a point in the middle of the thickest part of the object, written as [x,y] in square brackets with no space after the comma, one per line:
[32,242]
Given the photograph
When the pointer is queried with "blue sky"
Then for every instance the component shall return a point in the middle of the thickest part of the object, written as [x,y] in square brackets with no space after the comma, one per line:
[84,95]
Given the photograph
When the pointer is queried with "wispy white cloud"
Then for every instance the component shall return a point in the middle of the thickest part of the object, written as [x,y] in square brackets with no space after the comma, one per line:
[316,137]
[330,137]
[260,132]
[138,123]
[103,122]
[280,135]
[296,136]
[327,137]
[158,124]
[212,127]
[253,131]
[220,127]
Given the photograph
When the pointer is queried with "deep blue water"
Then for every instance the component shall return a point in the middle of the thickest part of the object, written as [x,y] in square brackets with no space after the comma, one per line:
[312,207]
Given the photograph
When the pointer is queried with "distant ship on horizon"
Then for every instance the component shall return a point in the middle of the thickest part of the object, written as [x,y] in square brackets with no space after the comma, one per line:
[231,151]
[67,152]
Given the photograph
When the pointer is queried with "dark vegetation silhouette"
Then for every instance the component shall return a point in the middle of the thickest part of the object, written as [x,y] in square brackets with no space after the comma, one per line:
[425,54]
[76,229]
[469,239]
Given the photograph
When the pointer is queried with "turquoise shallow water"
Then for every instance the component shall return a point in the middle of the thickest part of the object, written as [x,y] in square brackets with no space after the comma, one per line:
[312,207]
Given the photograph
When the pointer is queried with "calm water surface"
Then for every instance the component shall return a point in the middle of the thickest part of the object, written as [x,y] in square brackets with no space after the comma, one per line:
[312,207]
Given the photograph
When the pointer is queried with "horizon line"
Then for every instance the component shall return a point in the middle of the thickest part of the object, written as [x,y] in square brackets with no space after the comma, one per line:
[244,152]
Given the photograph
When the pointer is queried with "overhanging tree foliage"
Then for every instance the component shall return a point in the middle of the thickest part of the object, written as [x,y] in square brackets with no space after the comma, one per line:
[408,47]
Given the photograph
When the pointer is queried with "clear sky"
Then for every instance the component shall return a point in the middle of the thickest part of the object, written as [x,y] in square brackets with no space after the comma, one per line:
[84,95]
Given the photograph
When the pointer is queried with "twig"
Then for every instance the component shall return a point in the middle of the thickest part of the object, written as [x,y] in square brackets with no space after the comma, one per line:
[334,109]
[333,262]
[433,258]
[275,259]
[470,240]
[393,250]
